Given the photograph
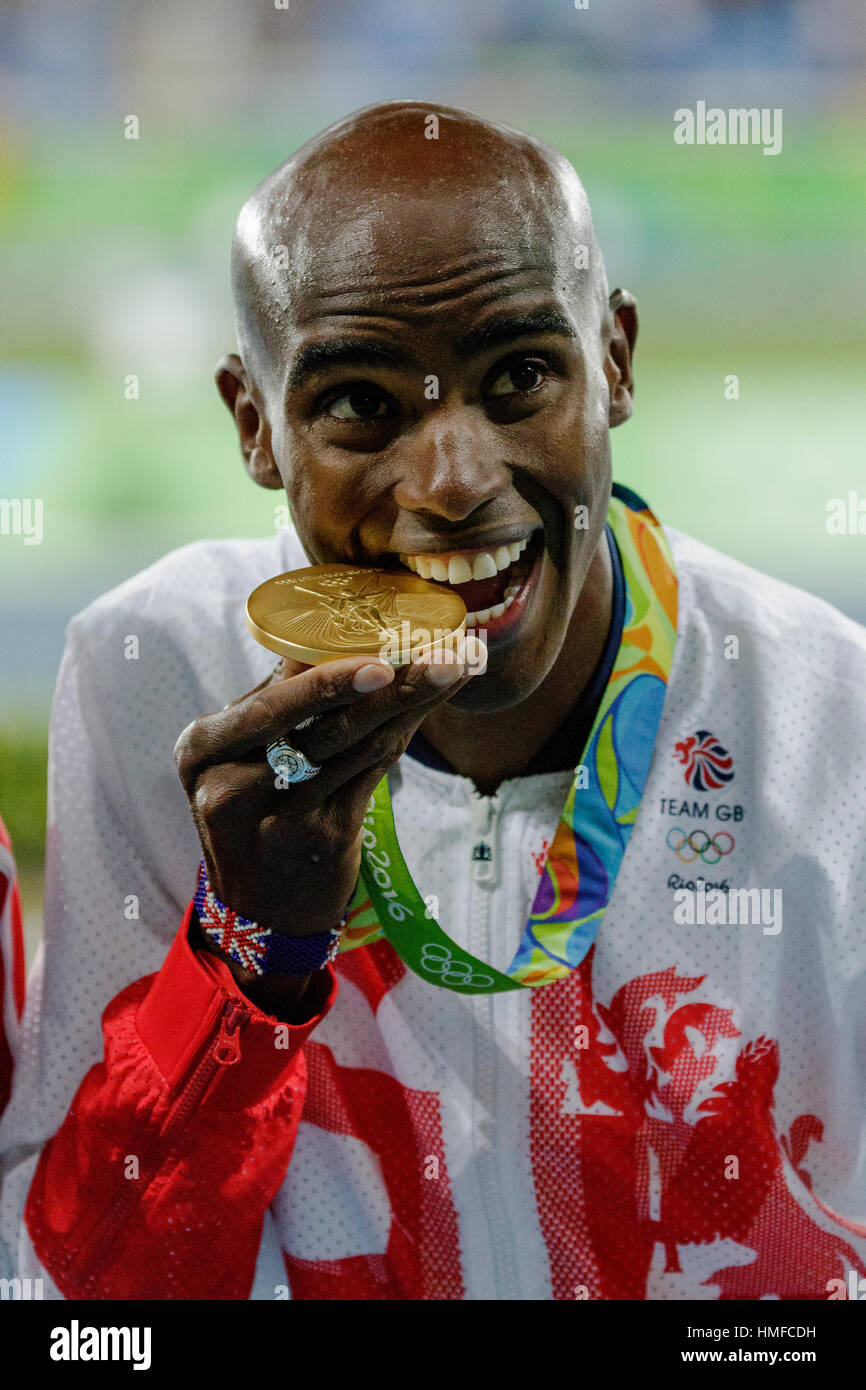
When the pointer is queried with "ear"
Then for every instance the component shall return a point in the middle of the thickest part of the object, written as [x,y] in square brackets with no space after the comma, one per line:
[618,366]
[254,432]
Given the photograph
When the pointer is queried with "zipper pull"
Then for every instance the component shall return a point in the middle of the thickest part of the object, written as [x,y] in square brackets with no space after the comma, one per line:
[227,1048]
[483,813]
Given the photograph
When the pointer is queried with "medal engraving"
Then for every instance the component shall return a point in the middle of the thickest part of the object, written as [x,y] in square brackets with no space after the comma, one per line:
[326,611]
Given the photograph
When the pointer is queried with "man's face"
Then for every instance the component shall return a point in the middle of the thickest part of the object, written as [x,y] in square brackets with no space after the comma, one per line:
[441,402]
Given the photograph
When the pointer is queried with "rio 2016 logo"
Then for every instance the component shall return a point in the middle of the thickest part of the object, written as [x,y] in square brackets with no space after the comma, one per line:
[707,766]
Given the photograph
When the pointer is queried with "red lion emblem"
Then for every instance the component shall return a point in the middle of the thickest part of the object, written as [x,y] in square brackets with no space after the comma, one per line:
[645,1158]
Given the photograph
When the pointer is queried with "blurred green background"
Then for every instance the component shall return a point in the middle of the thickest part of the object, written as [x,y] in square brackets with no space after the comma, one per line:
[115,257]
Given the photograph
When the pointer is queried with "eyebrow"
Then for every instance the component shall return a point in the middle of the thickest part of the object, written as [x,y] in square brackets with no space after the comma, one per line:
[342,352]
[505,329]
[366,352]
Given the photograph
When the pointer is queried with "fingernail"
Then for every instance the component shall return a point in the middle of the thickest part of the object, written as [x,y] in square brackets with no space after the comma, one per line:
[442,673]
[372,678]
[475,655]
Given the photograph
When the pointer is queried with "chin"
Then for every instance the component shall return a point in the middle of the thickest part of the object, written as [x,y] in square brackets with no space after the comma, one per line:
[510,679]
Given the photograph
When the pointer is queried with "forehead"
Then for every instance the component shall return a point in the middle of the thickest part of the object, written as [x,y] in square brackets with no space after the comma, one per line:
[430,261]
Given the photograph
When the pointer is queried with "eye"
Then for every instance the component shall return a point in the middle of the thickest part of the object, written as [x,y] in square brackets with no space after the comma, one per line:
[362,402]
[519,377]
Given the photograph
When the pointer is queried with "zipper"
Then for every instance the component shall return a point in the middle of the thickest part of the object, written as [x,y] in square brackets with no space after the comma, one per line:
[225,1052]
[215,1053]
[485,812]
[484,818]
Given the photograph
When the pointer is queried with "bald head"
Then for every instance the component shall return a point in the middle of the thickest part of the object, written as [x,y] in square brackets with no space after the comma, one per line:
[356,208]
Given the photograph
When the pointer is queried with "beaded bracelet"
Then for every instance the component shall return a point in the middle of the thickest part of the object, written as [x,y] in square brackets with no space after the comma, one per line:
[259,949]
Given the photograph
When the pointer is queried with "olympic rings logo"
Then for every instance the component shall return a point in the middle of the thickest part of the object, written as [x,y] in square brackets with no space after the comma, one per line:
[712,845]
[437,960]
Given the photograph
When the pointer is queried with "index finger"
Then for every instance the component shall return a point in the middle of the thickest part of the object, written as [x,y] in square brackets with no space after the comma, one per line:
[277,707]
[284,669]
[279,673]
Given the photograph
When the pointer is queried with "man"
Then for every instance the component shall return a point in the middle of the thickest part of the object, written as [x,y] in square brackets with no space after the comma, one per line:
[633,1068]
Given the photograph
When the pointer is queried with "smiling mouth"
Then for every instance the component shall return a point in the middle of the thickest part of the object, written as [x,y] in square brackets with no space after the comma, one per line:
[488,581]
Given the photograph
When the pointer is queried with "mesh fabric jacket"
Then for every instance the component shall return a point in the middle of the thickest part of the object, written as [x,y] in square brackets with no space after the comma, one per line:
[683,1117]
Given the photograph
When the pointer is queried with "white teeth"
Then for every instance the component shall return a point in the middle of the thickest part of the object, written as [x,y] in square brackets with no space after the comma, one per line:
[509,599]
[484,615]
[484,566]
[511,590]
[459,570]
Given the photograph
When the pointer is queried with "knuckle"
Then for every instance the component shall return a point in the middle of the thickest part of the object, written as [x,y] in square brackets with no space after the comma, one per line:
[329,687]
[401,743]
[260,714]
[271,832]
[185,750]
[403,734]
[383,747]
[340,732]
[213,802]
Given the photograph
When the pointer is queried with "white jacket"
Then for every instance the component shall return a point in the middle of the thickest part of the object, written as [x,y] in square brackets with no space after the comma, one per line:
[710,1142]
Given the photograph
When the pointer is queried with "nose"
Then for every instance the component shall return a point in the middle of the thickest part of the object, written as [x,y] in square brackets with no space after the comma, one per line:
[452,465]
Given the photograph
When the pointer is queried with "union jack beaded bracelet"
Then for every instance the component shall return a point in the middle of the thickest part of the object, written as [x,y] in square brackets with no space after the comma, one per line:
[259,949]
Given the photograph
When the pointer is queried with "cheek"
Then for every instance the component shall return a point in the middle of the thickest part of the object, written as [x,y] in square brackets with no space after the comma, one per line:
[310,506]
[324,499]
[578,433]
[595,411]
[575,472]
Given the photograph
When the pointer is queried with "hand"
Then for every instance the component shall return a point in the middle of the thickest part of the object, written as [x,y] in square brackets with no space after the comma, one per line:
[288,856]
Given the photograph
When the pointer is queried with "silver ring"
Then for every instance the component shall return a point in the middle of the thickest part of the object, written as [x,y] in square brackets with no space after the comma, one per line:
[290,763]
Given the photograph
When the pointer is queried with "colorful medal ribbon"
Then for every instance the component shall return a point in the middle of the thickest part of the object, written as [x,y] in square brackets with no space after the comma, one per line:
[599,813]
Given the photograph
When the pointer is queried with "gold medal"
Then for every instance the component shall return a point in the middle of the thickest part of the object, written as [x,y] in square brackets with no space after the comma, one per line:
[327,611]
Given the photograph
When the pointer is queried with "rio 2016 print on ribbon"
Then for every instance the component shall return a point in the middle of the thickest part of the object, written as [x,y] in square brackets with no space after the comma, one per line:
[599,813]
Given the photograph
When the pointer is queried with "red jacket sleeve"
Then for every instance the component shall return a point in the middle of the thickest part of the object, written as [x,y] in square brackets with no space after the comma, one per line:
[156,1184]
